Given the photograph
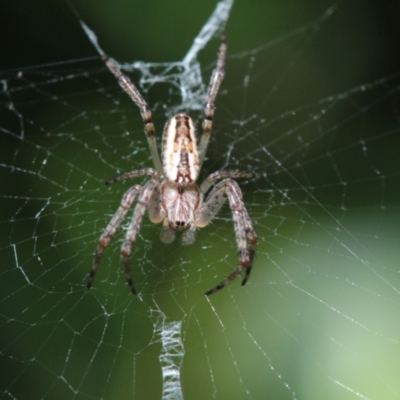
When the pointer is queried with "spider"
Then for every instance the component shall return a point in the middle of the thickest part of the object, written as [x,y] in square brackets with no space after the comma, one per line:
[171,195]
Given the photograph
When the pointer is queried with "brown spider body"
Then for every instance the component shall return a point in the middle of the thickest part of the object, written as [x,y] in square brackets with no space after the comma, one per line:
[180,155]
[171,195]
[179,204]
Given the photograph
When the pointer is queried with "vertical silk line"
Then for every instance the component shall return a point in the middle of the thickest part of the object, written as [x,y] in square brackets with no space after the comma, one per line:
[171,358]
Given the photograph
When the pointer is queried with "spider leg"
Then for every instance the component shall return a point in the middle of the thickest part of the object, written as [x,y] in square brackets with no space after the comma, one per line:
[210,208]
[212,178]
[112,226]
[133,228]
[228,279]
[133,174]
[189,236]
[246,238]
[213,87]
[167,235]
[145,112]
[252,237]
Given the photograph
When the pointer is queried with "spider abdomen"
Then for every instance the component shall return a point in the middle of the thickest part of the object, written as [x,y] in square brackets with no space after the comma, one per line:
[180,155]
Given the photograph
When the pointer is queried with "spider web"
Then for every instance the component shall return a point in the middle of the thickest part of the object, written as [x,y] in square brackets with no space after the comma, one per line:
[310,101]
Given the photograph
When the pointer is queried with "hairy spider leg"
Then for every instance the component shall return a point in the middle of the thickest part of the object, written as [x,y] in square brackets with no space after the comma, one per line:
[229,189]
[252,237]
[213,87]
[215,176]
[133,174]
[112,226]
[145,112]
[133,228]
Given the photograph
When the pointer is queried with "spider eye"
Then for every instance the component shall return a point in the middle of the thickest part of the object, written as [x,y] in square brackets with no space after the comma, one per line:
[179,224]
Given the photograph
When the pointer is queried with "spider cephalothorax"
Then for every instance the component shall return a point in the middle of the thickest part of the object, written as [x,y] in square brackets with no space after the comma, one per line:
[171,195]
